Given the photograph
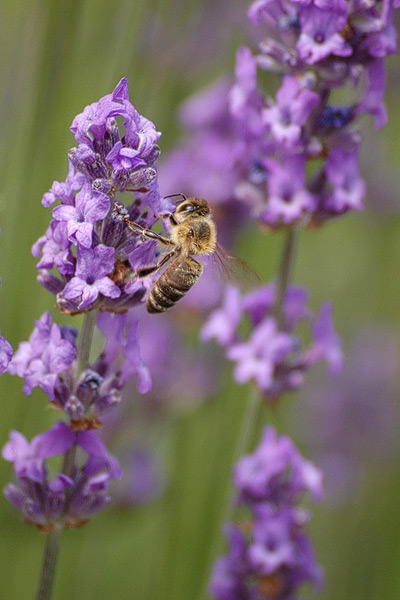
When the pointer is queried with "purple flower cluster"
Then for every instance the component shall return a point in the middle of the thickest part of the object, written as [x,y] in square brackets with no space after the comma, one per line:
[292,159]
[269,555]
[50,351]
[63,500]
[86,258]
[47,361]
[305,145]
[273,356]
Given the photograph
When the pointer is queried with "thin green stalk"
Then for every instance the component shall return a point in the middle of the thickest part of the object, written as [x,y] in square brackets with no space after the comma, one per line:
[69,461]
[85,341]
[285,271]
[49,563]
[246,434]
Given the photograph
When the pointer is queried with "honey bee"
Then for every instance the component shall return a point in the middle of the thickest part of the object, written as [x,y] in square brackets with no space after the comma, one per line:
[193,233]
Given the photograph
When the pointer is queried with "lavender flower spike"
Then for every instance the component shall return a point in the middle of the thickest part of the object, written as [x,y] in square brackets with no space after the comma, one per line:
[270,554]
[49,352]
[48,501]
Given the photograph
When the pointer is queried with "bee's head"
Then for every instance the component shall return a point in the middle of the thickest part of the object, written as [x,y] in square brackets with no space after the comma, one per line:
[191,208]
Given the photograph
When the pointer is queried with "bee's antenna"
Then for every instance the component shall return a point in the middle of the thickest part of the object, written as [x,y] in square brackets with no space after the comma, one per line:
[175,195]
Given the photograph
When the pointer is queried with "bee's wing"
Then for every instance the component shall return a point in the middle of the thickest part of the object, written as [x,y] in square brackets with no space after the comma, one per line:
[234,270]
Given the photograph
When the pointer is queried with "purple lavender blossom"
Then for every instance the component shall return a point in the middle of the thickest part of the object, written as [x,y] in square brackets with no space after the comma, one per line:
[49,352]
[61,500]
[316,46]
[91,252]
[325,45]
[348,187]
[257,358]
[320,32]
[89,208]
[6,352]
[55,249]
[223,322]
[91,276]
[47,360]
[122,339]
[293,107]
[64,191]
[288,196]
[270,555]
[273,358]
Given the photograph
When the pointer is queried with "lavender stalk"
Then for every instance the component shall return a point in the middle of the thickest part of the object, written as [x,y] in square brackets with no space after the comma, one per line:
[285,270]
[49,564]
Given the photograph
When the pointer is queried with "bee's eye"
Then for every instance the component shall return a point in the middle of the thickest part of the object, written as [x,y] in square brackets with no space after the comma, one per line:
[190,208]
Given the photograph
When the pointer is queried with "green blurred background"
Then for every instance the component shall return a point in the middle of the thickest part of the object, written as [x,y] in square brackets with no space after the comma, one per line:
[56,57]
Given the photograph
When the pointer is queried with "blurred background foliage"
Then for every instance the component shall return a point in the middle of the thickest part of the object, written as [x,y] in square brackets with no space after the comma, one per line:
[56,57]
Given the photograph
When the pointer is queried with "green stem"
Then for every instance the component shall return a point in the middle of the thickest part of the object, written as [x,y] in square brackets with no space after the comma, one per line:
[246,433]
[49,563]
[69,461]
[85,341]
[285,270]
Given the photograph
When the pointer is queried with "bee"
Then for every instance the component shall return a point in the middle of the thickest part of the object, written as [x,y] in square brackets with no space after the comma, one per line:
[193,233]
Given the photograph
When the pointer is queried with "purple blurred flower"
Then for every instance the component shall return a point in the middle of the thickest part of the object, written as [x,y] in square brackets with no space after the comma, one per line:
[6,352]
[316,46]
[327,344]
[223,322]
[275,359]
[122,343]
[62,500]
[320,32]
[256,359]
[272,554]
[289,114]
[49,352]
[348,187]
[288,197]
[372,101]
[259,476]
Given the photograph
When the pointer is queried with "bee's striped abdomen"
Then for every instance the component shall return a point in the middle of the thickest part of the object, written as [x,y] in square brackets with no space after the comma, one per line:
[173,283]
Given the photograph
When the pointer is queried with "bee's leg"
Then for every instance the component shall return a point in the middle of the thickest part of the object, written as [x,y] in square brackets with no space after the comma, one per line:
[144,271]
[120,213]
[147,233]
